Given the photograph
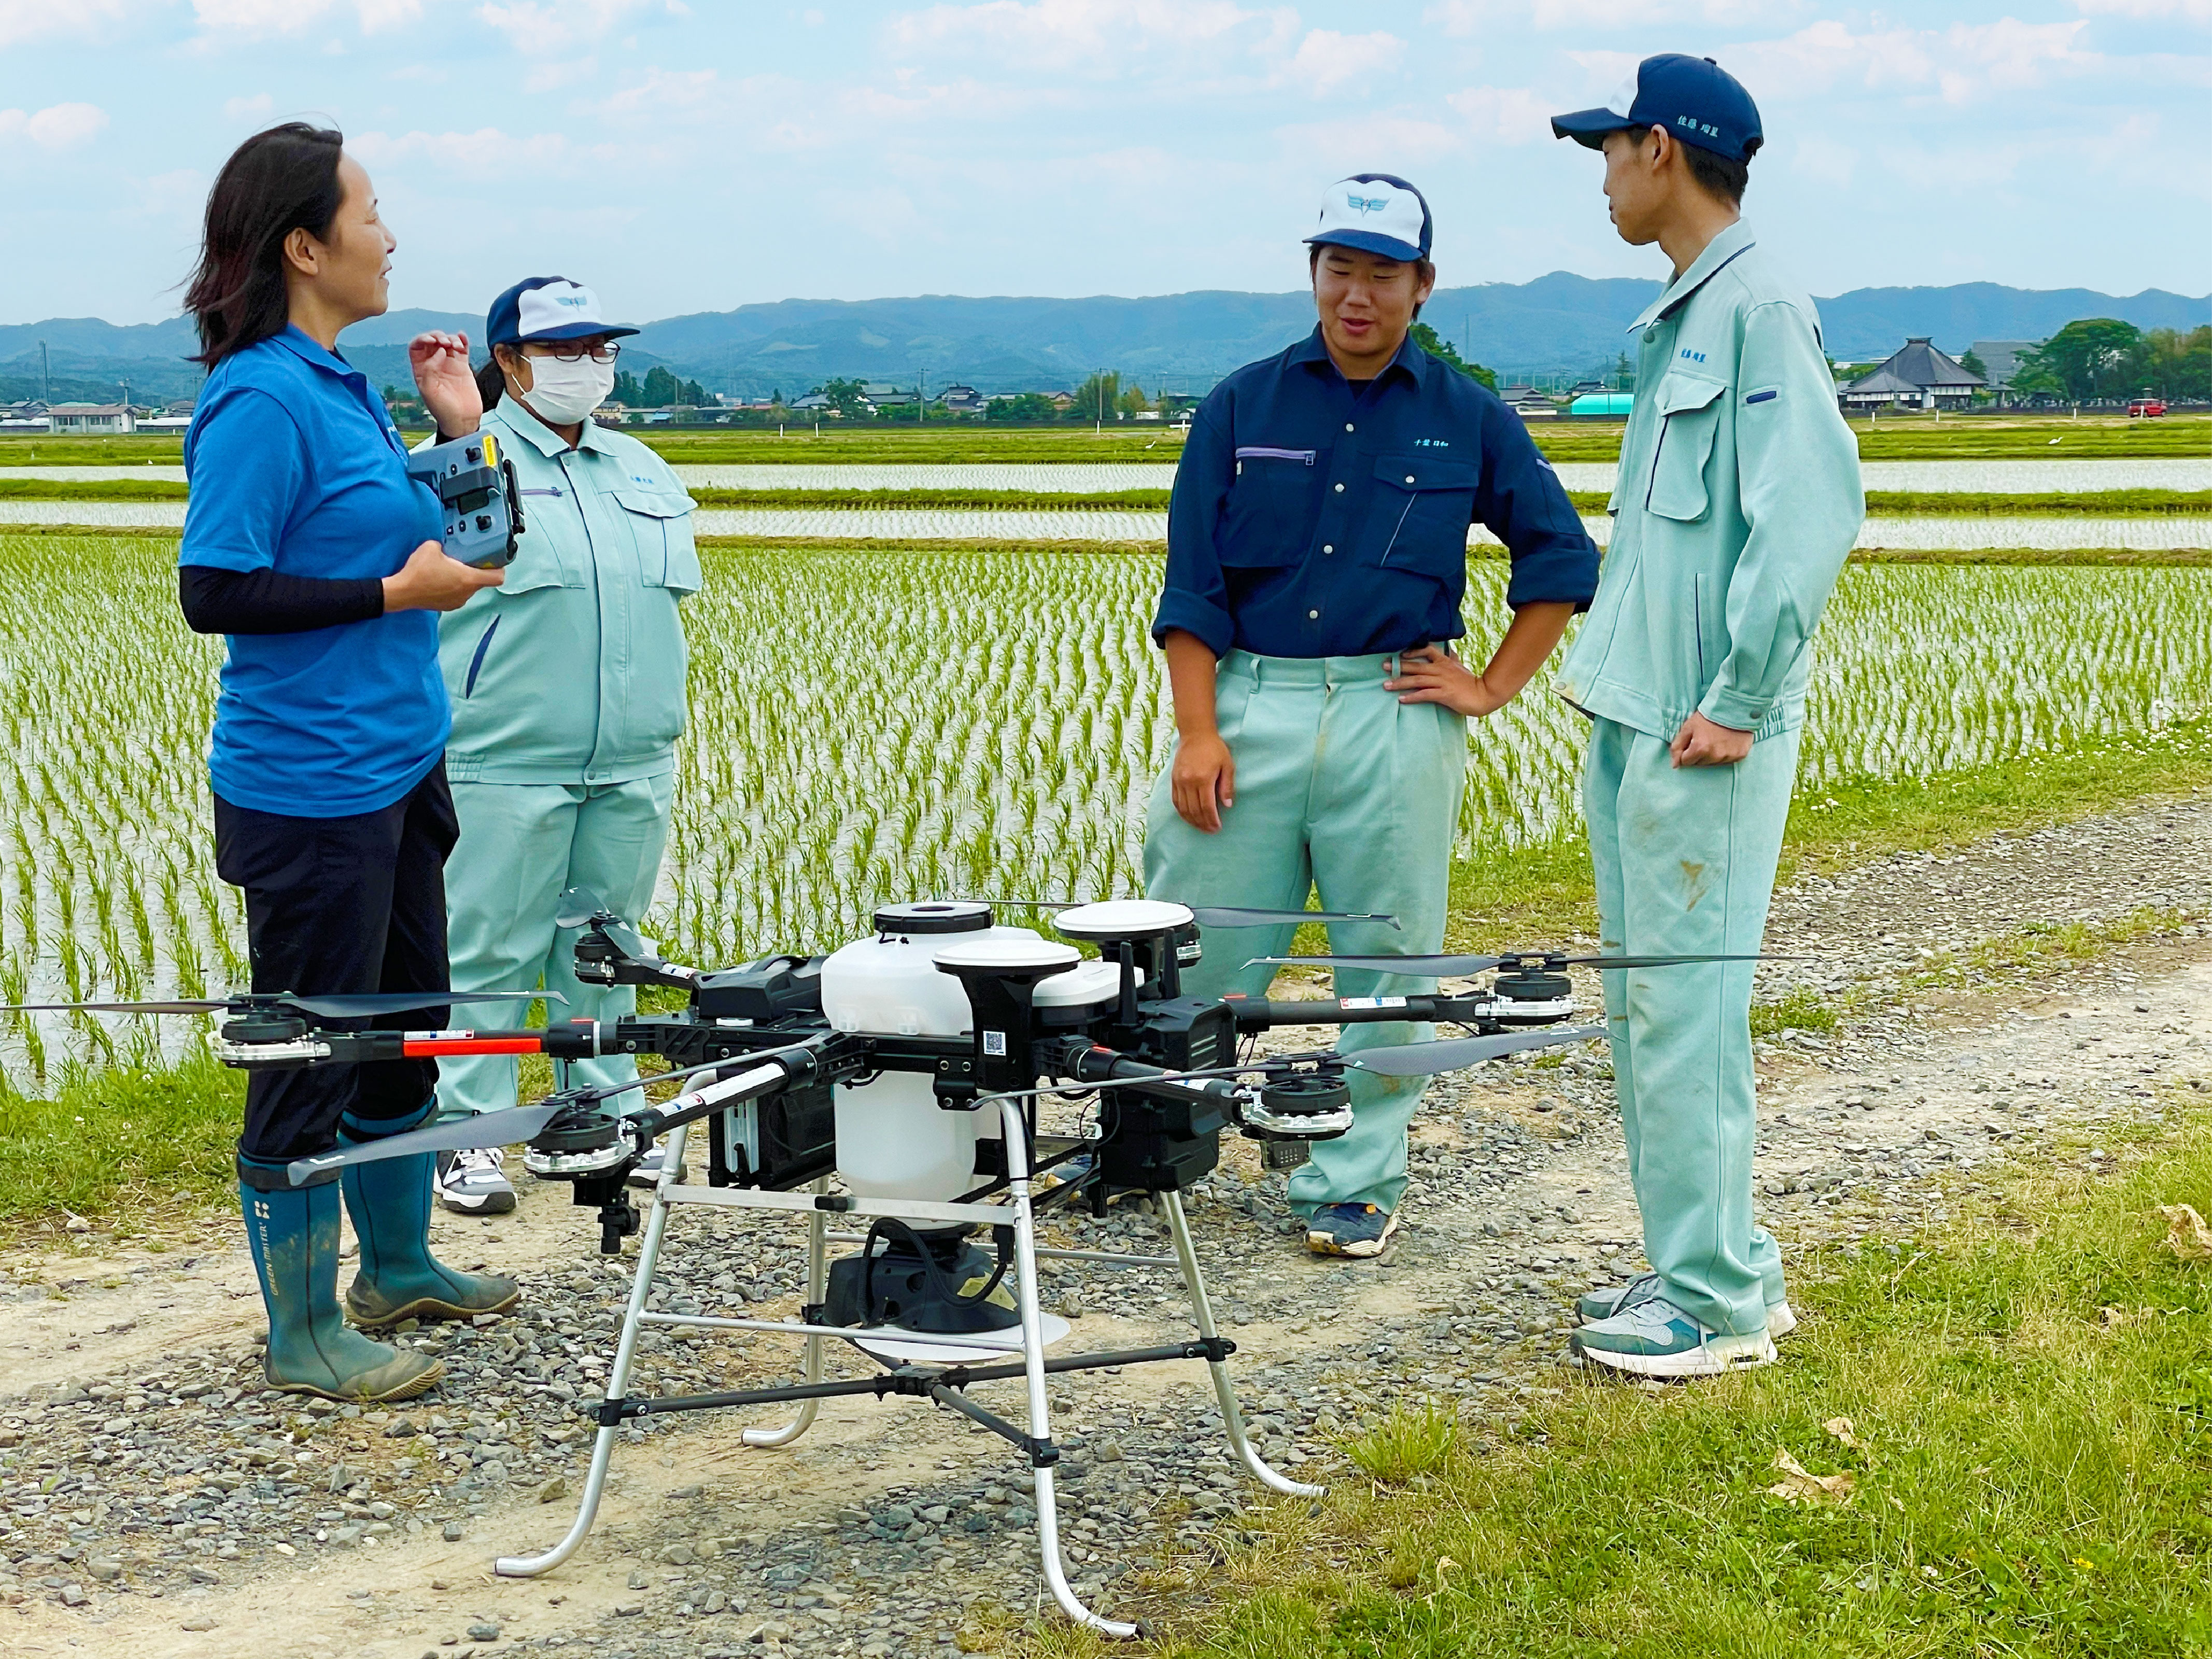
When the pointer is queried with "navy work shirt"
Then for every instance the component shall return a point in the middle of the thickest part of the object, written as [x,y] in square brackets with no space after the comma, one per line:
[1314,518]
[296,466]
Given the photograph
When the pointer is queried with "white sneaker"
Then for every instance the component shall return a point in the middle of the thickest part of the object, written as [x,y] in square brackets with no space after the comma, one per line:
[474,1184]
[646,1173]
[1654,1337]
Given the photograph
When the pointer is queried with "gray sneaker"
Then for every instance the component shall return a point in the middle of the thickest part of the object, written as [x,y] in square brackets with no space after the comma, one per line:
[1606,1300]
[474,1184]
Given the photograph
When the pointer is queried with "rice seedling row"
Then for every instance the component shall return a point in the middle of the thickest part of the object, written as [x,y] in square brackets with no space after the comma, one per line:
[870,724]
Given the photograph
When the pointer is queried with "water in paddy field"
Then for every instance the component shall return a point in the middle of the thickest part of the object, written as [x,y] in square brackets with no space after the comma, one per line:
[2006,478]
[991,722]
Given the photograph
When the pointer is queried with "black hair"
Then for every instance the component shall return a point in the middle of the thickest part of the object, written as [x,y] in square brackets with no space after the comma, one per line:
[275,183]
[1425,270]
[491,382]
[1716,174]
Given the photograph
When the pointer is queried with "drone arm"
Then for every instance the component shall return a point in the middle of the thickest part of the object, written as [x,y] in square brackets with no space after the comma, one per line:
[1258,1014]
[761,1074]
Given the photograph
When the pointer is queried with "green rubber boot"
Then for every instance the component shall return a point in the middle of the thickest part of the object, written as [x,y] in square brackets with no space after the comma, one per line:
[293,1234]
[390,1203]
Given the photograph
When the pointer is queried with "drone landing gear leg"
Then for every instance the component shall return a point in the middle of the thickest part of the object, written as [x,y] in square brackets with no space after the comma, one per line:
[1026,1296]
[648,1256]
[817,1287]
[1232,1419]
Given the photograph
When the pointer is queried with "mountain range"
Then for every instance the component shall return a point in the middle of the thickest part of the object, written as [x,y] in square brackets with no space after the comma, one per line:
[1557,324]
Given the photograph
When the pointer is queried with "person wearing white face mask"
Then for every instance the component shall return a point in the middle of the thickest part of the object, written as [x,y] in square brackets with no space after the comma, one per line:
[568,695]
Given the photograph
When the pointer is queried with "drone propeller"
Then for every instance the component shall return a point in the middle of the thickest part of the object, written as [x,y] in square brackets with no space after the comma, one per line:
[1423,1059]
[580,907]
[460,1134]
[1431,966]
[1218,915]
[341,1006]
[501,1128]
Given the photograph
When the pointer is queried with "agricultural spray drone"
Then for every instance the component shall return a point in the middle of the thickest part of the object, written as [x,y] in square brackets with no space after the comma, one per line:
[910,1064]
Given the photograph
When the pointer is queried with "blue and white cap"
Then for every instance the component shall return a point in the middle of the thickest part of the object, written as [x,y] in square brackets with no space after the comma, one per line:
[1375,211]
[547,308]
[1692,98]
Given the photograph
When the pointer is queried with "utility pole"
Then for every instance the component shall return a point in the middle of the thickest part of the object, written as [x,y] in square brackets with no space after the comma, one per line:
[1099,375]
[46,377]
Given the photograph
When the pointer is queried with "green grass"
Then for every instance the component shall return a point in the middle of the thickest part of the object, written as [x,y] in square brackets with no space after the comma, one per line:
[1890,439]
[2029,1387]
[115,1144]
[92,489]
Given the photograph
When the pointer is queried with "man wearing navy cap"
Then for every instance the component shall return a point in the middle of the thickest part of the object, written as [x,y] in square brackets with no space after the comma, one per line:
[1316,562]
[1738,498]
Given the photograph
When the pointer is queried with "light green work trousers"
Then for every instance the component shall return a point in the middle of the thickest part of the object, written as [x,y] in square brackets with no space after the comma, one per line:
[1342,788]
[521,845]
[1685,859]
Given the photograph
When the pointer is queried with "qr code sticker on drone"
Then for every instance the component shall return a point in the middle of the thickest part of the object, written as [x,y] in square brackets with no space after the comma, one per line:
[995,1042]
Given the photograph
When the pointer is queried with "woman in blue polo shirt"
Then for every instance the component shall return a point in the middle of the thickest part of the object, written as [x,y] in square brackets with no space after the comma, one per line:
[306,544]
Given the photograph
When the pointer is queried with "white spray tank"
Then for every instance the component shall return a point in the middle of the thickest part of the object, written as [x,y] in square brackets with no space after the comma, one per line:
[893,1139]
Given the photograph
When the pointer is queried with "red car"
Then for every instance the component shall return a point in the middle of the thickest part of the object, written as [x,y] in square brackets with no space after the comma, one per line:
[2146,409]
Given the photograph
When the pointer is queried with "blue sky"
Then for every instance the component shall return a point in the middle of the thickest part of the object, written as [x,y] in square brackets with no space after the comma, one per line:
[694,156]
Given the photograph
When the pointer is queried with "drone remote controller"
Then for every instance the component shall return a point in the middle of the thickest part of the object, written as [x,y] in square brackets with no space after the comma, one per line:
[479,504]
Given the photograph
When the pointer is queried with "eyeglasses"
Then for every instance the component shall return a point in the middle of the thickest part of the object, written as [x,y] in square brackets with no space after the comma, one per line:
[574,351]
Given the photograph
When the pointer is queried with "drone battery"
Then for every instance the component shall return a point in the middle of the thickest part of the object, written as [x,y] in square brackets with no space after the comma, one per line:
[780,1142]
[1158,1146]
[1188,1034]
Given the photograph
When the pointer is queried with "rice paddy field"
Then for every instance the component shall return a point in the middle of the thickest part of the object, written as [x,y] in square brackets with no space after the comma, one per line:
[871,722]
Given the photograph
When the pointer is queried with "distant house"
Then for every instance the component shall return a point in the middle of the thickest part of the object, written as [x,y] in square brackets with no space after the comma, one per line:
[879,396]
[1917,376]
[23,417]
[1062,399]
[1529,403]
[810,403]
[2000,359]
[79,420]
[964,400]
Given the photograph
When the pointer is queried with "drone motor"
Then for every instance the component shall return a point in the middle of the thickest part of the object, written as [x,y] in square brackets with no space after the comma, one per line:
[1287,1115]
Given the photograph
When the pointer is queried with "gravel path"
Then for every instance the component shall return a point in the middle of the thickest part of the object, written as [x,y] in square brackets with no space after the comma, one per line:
[162,1504]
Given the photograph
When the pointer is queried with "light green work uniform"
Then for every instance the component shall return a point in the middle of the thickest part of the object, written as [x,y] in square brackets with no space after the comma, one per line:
[1737,501]
[567,686]
[1343,790]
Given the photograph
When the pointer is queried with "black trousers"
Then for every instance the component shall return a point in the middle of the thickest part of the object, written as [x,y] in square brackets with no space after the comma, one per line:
[340,905]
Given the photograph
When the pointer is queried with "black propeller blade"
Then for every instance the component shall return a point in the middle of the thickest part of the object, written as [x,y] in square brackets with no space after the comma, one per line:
[339,1005]
[1425,1058]
[1456,966]
[462,1134]
[580,907]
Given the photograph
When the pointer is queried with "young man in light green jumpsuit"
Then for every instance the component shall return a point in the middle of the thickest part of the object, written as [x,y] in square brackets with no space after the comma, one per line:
[1316,564]
[1738,499]
[568,689]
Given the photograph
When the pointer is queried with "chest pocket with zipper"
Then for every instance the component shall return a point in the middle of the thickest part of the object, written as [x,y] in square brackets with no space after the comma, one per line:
[1690,415]
[1420,513]
[660,522]
[1274,500]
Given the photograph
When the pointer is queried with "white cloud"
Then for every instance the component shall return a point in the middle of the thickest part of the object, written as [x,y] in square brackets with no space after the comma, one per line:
[1327,60]
[24,20]
[1825,160]
[488,154]
[1366,143]
[1963,62]
[1462,17]
[660,92]
[255,18]
[550,27]
[248,109]
[1095,35]
[57,126]
[1506,115]
[2192,11]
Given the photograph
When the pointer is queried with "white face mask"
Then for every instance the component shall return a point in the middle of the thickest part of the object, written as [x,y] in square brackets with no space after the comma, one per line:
[561,394]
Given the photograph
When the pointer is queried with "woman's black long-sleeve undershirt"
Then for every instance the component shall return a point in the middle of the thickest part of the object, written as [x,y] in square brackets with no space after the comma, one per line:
[218,601]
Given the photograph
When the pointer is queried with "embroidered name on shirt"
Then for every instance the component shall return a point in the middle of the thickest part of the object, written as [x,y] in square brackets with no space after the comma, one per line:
[1695,356]
[1432,443]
